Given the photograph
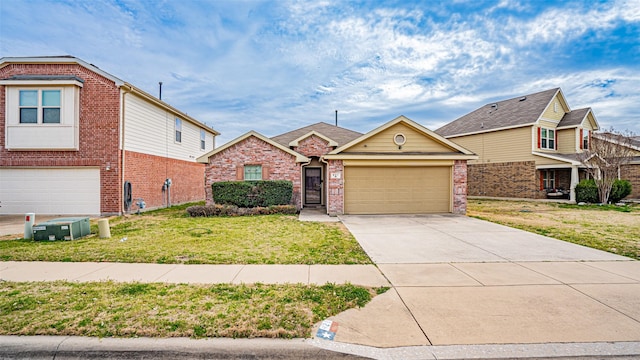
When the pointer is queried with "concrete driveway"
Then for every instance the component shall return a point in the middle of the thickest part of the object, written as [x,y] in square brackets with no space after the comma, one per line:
[446,238]
[462,281]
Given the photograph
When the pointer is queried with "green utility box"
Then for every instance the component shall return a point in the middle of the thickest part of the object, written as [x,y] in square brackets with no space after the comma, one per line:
[62,229]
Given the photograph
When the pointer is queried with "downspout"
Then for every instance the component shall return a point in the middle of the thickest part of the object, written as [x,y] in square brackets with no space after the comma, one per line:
[303,184]
[122,144]
[325,185]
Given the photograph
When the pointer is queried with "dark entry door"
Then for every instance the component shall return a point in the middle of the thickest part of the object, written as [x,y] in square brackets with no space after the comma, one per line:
[313,186]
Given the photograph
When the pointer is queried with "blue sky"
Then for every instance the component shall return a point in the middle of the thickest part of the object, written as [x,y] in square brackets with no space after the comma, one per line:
[274,66]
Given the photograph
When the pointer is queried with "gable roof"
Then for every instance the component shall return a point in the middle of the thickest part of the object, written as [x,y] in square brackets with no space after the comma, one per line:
[299,157]
[296,142]
[457,151]
[125,86]
[338,134]
[515,112]
[574,118]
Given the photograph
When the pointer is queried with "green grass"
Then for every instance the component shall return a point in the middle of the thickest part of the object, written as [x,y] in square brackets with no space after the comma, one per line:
[171,236]
[611,228]
[108,309]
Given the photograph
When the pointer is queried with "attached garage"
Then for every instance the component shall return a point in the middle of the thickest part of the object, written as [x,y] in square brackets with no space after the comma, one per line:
[56,191]
[397,190]
[399,168]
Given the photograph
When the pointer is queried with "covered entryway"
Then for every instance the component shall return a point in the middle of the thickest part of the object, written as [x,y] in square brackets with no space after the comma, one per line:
[57,191]
[312,186]
[397,190]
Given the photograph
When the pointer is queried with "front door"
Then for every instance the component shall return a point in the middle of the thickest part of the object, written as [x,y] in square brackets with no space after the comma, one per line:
[313,186]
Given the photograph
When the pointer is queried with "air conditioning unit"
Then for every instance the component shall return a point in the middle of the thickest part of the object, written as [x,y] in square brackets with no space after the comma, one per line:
[62,229]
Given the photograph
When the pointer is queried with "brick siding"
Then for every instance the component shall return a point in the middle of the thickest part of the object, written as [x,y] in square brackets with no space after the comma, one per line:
[99,118]
[147,174]
[460,187]
[336,188]
[313,146]
[511,179]
[632,173]
[276,165]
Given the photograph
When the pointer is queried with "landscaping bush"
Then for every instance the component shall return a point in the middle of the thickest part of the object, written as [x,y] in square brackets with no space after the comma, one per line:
[587,191]
[619,190]
[248,194]
[232,210]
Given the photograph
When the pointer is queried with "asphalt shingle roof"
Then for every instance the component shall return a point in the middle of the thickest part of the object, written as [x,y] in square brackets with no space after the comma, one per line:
[574,117]
[521,110]
[335,133]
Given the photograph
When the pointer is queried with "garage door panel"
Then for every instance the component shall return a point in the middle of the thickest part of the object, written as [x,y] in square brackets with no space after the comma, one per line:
[380,190]
[50,191]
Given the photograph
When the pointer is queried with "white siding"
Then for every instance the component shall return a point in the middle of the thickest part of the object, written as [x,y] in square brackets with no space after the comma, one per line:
[150,129]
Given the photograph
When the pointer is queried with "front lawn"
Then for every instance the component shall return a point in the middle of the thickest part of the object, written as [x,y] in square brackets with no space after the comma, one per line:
[108,309]
[171,236]
[609,228]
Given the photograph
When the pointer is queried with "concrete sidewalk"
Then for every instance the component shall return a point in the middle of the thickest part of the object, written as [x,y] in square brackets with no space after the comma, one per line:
[365,275]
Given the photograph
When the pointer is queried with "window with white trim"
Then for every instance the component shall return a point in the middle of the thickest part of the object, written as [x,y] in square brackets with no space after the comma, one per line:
[42,114]
[547,139]
[549,179]
[178,130]
[203,137]
[39,106]
[253,172]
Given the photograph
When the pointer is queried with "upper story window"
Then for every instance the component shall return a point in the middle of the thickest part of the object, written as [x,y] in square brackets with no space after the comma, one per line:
[203,137]
[178,130]
[585,139]
[547,139]
[42,112]
[39,106]
[253,172]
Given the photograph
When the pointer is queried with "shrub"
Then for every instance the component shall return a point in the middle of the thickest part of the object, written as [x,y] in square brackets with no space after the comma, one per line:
[619,190]
[587,191]
[248,194]
[232,210]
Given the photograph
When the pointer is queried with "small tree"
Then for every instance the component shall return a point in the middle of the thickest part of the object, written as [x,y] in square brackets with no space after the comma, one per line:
[607,152]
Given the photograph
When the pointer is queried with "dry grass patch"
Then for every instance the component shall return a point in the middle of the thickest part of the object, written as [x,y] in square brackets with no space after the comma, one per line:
[609,228]
[171,236]
[108,309]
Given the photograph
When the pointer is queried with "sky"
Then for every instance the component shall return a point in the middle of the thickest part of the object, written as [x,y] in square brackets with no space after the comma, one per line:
[275,66]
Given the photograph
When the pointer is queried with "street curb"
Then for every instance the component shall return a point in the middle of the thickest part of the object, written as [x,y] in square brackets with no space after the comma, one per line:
[72,347]
[594,350]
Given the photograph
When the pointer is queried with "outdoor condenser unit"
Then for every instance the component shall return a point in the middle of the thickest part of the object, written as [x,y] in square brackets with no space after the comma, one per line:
[62,229]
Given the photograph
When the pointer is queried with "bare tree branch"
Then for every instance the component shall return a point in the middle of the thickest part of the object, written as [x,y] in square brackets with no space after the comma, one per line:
[607,152]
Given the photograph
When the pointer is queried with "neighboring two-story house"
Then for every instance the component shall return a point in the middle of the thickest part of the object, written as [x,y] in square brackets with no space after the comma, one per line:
[527,145]
[399,167]
[75,139]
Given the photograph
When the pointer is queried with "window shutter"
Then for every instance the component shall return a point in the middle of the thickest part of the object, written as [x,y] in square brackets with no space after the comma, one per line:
[589,144]
[581,139]
[265,172]
[555,140]
[240,172]
[541,180]
[539,137]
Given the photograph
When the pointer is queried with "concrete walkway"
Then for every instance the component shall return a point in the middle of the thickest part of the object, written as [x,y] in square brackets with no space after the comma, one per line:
[365,275]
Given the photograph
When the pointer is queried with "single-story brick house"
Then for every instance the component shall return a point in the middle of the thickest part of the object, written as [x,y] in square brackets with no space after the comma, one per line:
[399,167]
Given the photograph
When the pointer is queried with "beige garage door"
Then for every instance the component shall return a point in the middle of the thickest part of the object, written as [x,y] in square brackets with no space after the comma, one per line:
[55,191]
[397,190]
